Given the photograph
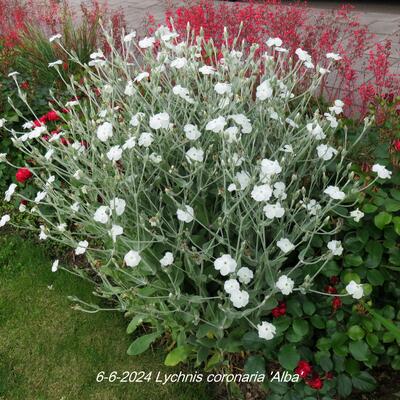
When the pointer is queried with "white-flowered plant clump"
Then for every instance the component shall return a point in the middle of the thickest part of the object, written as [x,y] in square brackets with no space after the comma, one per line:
[194,186]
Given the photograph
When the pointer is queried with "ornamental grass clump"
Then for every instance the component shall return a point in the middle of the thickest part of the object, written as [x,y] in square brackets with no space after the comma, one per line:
[194,181]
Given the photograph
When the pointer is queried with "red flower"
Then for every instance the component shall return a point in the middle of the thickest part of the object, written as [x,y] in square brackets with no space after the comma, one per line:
[336,303]
[64,141]
[23,174]
[41,121]
[334,280]
[279,311]
[303,369]
[329,375]
[396,144]
[24,202]
[330,289]
[25,85]
[52,116]
[315,383]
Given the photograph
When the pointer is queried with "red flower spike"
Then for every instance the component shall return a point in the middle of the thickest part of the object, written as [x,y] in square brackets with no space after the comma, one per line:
[23,174]
[52,116]
[396,145]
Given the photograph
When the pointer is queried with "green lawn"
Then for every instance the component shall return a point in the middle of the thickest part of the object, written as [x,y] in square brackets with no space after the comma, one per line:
[49,351]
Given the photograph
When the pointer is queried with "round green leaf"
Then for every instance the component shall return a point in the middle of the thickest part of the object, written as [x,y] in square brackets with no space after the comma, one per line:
[288,356]
[364,381]
[355,332]
[359,350]
[382,219]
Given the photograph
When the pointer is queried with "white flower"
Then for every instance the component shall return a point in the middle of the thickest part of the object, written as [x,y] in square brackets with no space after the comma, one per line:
[159,121]
[13,74]
[225,264]
[183,93]
[102,214]
[285,285]
[305,57]
[231,285]
[381,171]
[49,154]
[75,207]
[313,207]
[266,330]
[223,88]
[232,134]
[207,70]
[22,207]
[337,107]
[179,63]
[3,156]
[135,120]
[244,180]
[26,125]
[186,214]
[261,192]
[55,37]
[145,139]
[191,132]
[40,196]
[279,190]
[243,121]
[146,42]
[245,275]
[333,56]
[116,230]
[269,168]
[272,211]
[118,205]
[104,131]
[42,235]
[129,144]
[128,38]
[61,227]
[326,152]
[194,154]
[274,42]
[155,158]
[78,174]
[323,71]
[54,266]
[335,193]
[335,246]
[115,153]
[216,125]
[285,245]
[332,120]
[81,248]
[357,215]
[129,89]
[71,103]
[9,192]
[264,90]
[97,54]
[355,290]
[132,258]
[287,148]
[316,131]
[4,219]
[239,298]
[167,260]
[54,63]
